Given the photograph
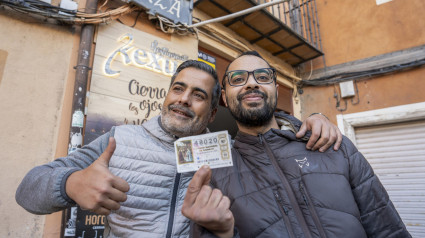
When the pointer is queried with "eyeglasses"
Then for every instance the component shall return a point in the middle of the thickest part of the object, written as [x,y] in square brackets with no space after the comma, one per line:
[261,76]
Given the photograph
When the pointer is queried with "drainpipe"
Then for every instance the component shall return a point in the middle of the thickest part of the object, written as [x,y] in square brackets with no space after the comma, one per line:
[80,89]
[80,85]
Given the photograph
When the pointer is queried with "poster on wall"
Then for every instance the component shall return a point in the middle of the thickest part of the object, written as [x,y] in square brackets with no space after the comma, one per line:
[131,75]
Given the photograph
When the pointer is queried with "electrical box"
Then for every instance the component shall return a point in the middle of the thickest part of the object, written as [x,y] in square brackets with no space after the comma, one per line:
[69,5]
[347,89]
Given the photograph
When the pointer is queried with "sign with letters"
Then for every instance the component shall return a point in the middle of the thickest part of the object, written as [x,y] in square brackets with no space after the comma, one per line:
[178,11]
[131,76]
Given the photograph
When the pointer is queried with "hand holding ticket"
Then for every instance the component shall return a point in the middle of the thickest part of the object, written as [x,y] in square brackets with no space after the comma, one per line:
[212,149]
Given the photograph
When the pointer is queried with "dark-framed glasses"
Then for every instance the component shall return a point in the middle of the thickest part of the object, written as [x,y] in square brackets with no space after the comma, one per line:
[261,76]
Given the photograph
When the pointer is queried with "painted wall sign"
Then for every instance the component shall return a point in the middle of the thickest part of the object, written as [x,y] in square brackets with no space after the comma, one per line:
[131,75]
[178,11]
[157,59]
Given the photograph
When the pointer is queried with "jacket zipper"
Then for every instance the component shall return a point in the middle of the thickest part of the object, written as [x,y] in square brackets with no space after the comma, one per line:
[313,212]
[287,186]
[173,205]
[285,212]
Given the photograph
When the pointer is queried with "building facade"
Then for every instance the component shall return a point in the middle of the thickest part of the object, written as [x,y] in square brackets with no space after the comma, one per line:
[370,83]
[132,57]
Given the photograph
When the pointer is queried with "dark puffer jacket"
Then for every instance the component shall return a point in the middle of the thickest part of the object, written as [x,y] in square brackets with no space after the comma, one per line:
[277,188]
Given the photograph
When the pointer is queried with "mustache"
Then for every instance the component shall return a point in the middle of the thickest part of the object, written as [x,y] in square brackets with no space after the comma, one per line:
[255,91]
[183,109]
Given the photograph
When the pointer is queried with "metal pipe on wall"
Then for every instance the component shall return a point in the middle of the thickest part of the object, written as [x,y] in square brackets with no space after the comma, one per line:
[81,78]
[80,89]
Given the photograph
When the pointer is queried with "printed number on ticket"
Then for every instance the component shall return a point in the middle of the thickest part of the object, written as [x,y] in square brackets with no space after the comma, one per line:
[212,149]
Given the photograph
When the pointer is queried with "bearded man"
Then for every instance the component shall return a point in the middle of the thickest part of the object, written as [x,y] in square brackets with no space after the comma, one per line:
[278,188]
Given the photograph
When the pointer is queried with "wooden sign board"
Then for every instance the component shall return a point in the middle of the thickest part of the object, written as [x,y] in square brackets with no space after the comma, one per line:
[131,76]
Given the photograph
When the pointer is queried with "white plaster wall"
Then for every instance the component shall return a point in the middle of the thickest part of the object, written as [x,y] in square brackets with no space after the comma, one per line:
[31,97]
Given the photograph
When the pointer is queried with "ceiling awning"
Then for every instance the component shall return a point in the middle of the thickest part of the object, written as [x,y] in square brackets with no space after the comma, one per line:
[268,27]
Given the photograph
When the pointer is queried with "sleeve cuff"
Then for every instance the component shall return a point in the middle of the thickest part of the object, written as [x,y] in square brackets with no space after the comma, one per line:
[63,185]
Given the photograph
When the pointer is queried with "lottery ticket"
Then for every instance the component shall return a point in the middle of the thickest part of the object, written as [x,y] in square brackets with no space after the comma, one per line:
[211,149]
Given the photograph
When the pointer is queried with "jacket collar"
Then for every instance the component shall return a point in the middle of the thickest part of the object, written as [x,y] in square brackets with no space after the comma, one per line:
[287,132]
[155,129]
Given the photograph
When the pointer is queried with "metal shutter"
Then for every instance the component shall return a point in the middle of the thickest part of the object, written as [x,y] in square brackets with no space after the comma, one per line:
[397,155]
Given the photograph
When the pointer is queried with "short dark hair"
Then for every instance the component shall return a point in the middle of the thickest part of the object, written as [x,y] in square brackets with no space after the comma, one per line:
[252,53]
[206,68]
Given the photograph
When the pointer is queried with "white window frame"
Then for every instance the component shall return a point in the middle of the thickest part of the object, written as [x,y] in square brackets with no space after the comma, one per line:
[408,112]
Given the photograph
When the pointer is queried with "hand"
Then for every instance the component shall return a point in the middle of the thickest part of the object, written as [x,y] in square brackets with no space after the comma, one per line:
[323,133]
[208,207]
[95,188]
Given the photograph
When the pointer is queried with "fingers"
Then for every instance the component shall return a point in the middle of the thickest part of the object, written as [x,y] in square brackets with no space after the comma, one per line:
[323,133]
[101,211]
[102,203]
[201,177]
[324,138]
[302,131]
[215,198]
[117,195]
[224,203]
[332,138]
[203,196]
[339,139]
[105,157]
[120,184]
[315,134]
[106,207]
[110,204]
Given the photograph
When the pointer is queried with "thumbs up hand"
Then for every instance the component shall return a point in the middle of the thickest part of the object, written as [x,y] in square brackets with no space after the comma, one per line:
[95,188]
[208,207]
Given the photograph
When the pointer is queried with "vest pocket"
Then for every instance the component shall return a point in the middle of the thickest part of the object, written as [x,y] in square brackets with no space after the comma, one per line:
[308,202]
[285,212]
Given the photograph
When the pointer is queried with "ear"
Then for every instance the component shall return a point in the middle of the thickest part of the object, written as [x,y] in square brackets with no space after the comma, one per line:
[212,116]
[223,95]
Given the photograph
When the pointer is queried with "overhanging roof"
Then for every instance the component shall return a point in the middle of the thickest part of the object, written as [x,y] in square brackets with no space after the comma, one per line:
[262,28]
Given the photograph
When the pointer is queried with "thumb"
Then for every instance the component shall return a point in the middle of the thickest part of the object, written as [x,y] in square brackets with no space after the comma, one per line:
[202,177]
[105,157]
[302,131]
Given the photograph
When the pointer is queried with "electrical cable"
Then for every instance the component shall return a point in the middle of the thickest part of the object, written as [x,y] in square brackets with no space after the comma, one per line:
[44,9]
[347,76]
[77,17]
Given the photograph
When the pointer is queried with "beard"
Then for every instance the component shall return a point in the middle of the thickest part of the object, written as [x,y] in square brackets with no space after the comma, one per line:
[252,116]
[187,127]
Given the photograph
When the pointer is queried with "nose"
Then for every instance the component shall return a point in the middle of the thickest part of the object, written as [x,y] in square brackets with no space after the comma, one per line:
[185,98]
[251,82]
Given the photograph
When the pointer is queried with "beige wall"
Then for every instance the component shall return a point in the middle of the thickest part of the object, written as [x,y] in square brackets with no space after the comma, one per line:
[37,66]
[354,30]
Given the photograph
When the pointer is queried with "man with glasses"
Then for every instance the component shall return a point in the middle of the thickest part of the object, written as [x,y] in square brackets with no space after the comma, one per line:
[277,188]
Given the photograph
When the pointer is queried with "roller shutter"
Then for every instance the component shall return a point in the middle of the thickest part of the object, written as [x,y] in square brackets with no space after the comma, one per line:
[397,155]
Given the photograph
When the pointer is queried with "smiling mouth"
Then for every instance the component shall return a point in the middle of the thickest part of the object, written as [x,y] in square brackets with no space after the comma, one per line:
[252,97]
[180,113]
